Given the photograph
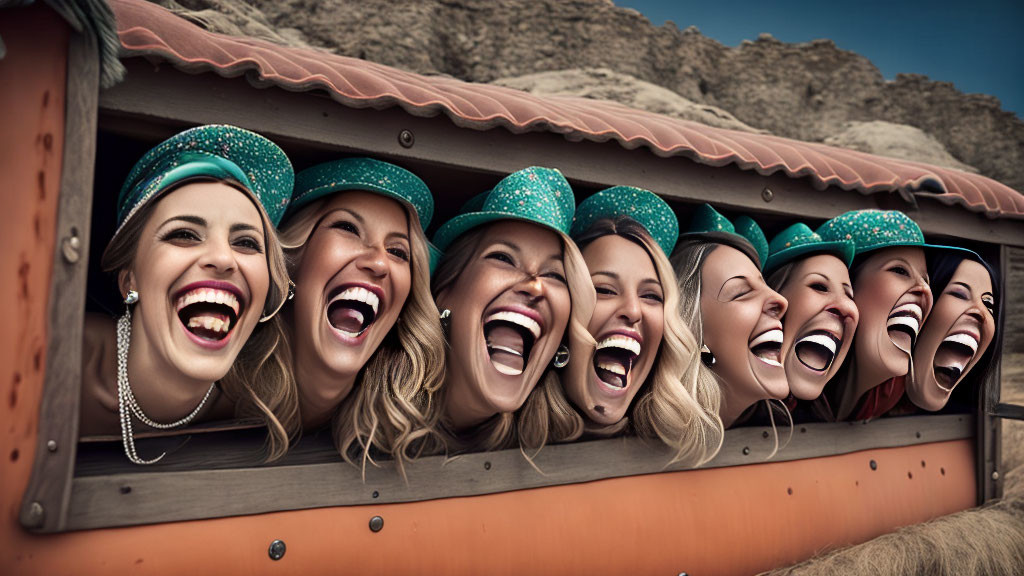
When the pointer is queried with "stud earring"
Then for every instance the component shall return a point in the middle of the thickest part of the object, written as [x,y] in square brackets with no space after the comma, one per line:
[132,297]
[561,357]
[706,356]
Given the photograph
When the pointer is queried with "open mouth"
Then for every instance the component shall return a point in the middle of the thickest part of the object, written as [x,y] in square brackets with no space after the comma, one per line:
[768,347]
[614,358]
[817,350]
[904,324]
[510,337]
[208,313]
[953,355]
[351,310]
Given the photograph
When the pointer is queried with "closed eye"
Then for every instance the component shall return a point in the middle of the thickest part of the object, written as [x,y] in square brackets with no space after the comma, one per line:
[249,244]
[818,287]
[400,253]
[602,291]
[897,269]
[959,294]
[654,297]
[182,236]
[346,226]
[556,276]
[501,257]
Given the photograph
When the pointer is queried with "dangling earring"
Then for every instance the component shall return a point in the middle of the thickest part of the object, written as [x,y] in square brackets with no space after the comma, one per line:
[561,357]
[291,294]
[446,320]
[127,405]
[706,356]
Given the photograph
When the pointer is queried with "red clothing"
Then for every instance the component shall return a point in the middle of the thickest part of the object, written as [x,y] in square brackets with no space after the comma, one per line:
[880,399]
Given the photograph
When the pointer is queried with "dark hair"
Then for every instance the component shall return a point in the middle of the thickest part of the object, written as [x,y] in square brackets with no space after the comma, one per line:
[942,265]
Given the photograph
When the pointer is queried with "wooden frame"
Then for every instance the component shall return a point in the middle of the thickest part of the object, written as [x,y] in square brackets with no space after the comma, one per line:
[155,102]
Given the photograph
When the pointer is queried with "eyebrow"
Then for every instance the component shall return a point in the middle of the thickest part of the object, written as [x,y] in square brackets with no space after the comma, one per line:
[965,285]
[198,221]
[615,276]
[243,228]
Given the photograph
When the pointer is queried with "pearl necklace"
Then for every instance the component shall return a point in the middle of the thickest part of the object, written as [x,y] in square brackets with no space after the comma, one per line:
[128,406]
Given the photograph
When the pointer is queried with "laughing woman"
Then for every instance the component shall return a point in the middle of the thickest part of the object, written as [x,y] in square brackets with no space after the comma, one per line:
[199,267]
[511,284]
[639,371]
[958,336]
[365,341]
[728,303]
[813,275]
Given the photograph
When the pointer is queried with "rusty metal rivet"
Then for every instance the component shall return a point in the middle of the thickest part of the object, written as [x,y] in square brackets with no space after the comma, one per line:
[406,138]
[995,475]
[277,550]
[746,450]
[767,195]
[51,445]
[71,247]
[376,524]
[874,465]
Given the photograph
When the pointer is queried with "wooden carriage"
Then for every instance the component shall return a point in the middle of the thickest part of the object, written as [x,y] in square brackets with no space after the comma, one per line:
[609,506]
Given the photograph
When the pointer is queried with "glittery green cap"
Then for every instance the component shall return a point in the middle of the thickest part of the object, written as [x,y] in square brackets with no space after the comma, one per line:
[746,227]
[875,229]
[217,151]
[708,224]
[535,194]
[799,240]
[641,205]
[363,174]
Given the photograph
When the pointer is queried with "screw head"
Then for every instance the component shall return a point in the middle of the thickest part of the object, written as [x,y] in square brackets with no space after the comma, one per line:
[376,524]
[51,445]
[746,450]
[874,465]
[70,248]
[767,195]
[276,550]
[995,475]
[406,138]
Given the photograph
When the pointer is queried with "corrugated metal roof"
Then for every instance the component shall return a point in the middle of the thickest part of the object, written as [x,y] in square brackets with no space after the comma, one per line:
[151,31]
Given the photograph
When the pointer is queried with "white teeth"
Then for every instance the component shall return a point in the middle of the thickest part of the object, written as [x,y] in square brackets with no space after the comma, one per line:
[210,295]
[769,336]
[518,319]
[959,365]
[613,368]
[505,349]
[821,340]
[209,323]
[507,370]
[965,339]
[909,308]
[907,321]
[359,295]
[620,341]
[769,361]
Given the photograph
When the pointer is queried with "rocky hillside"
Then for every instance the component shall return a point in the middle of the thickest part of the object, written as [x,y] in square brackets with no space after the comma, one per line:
[812,91]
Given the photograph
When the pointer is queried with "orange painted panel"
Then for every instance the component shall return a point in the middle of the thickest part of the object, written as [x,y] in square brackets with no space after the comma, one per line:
[735,520]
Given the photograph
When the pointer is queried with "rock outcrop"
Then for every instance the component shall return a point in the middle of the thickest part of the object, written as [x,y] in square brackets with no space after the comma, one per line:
[808,91]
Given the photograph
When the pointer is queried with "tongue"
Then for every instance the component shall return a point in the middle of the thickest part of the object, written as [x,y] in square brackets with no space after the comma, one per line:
[345,319]
[814,356]
[505,346]
[611,368]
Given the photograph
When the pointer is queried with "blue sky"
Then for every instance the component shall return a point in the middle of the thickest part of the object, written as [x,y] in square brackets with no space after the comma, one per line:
[978,46]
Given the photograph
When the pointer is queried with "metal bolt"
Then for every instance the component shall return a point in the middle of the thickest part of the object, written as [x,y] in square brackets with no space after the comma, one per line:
[764,434]
[487,465]
[995,475]
[406,138]
[917,434]
[71,247]
[376,524]
[746,450]
[35,515]
[874,465]
[767,195]
[51,445]
[376,494]
[276,550]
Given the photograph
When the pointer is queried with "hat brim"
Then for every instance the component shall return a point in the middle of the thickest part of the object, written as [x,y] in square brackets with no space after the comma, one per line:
[324,191]
[463,223]
[728,238]
[924,246]
[843,250]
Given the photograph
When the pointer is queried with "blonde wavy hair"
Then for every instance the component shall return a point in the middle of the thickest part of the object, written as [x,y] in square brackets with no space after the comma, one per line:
[387,410]
[259,381]
[678,403]
[688,262]
[546,413]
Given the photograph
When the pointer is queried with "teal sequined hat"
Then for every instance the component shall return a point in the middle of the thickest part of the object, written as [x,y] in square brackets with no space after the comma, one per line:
[746,227]
[641,205]
[538,195]
[363,174]
[217,151]
[709,224]
[876,229]
[799,240]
